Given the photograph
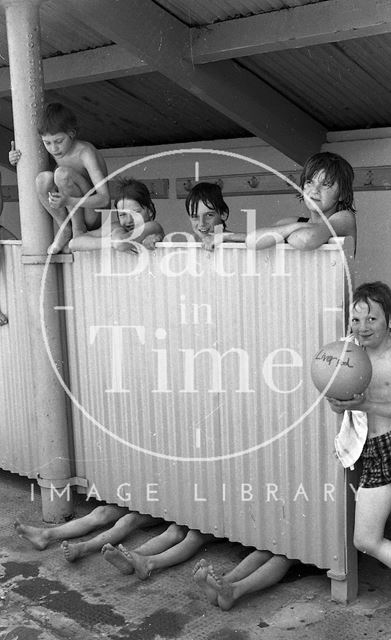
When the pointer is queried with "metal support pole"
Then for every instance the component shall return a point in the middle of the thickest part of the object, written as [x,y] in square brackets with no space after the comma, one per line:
[23,32]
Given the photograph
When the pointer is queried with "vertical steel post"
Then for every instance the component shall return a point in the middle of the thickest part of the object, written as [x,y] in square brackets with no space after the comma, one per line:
[23,33]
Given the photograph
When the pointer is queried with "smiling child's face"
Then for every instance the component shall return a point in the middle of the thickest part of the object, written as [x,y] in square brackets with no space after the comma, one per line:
[131,213]
[369,323]
[204,220]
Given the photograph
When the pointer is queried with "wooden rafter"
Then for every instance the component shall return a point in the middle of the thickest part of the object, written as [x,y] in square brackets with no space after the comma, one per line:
[86,66]
[302,26]
[153,35]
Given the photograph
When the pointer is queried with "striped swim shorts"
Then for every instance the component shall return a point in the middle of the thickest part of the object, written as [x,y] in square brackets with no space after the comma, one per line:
[376,459]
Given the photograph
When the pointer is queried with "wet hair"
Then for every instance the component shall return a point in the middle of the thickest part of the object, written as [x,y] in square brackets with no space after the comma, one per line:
[56,118]
[128,188]
[376,292]
[336,169]
[211,195]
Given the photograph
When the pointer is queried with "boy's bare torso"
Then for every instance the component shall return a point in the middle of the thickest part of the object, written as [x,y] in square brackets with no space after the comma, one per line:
[78,156]
[379,390]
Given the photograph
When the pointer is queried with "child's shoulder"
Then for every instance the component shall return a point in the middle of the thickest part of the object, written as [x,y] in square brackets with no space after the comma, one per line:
[345,213]
[346,219]
[87,152]
[83,145]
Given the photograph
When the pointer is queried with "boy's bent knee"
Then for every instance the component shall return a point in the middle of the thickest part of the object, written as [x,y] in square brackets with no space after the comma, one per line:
[176,533]
[63,176]
[196,536]
[360,545]
[104,514]
[44,181]
[365,545]
[129,519]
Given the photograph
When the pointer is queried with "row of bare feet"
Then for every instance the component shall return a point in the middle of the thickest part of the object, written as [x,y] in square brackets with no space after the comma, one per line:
[217,589]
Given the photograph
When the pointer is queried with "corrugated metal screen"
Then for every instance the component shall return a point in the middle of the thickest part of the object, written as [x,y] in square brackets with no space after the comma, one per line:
[200,409]
[19,451]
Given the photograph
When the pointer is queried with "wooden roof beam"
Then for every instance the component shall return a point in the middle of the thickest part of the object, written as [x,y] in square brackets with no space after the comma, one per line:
[164,43]
[302,26]
[93,65]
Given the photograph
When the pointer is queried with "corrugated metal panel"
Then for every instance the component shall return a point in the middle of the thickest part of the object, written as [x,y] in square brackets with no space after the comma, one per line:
[205,12]
[371,55]
[63,32]
[142,110]
[19,450]
[319,78]
[343,85]
[191,440]
[268,314]
[143,418]
[150,109]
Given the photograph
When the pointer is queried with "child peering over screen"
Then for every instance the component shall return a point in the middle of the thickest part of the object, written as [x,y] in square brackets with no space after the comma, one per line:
[327,185]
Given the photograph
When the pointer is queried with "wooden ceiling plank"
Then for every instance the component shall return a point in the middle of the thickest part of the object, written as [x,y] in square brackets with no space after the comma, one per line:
[302,26]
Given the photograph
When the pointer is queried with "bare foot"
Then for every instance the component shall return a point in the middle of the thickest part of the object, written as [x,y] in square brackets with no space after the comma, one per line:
[54,248]
[3,319]
[117,558]
[124,551]
[74,551]
[200,574]
[225,590]
[142,565]
[61,240]
[36,535]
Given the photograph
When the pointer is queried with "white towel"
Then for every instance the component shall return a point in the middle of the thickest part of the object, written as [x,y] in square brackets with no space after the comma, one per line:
[350,440]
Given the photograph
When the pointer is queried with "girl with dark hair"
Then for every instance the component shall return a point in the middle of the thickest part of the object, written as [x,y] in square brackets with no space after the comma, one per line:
[327,191]
[136,223]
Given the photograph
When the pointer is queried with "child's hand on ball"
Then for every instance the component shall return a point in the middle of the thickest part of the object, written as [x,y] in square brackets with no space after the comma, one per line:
[333,405]
[339,406]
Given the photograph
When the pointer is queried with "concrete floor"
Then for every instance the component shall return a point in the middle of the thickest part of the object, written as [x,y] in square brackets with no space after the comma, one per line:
[42,597]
